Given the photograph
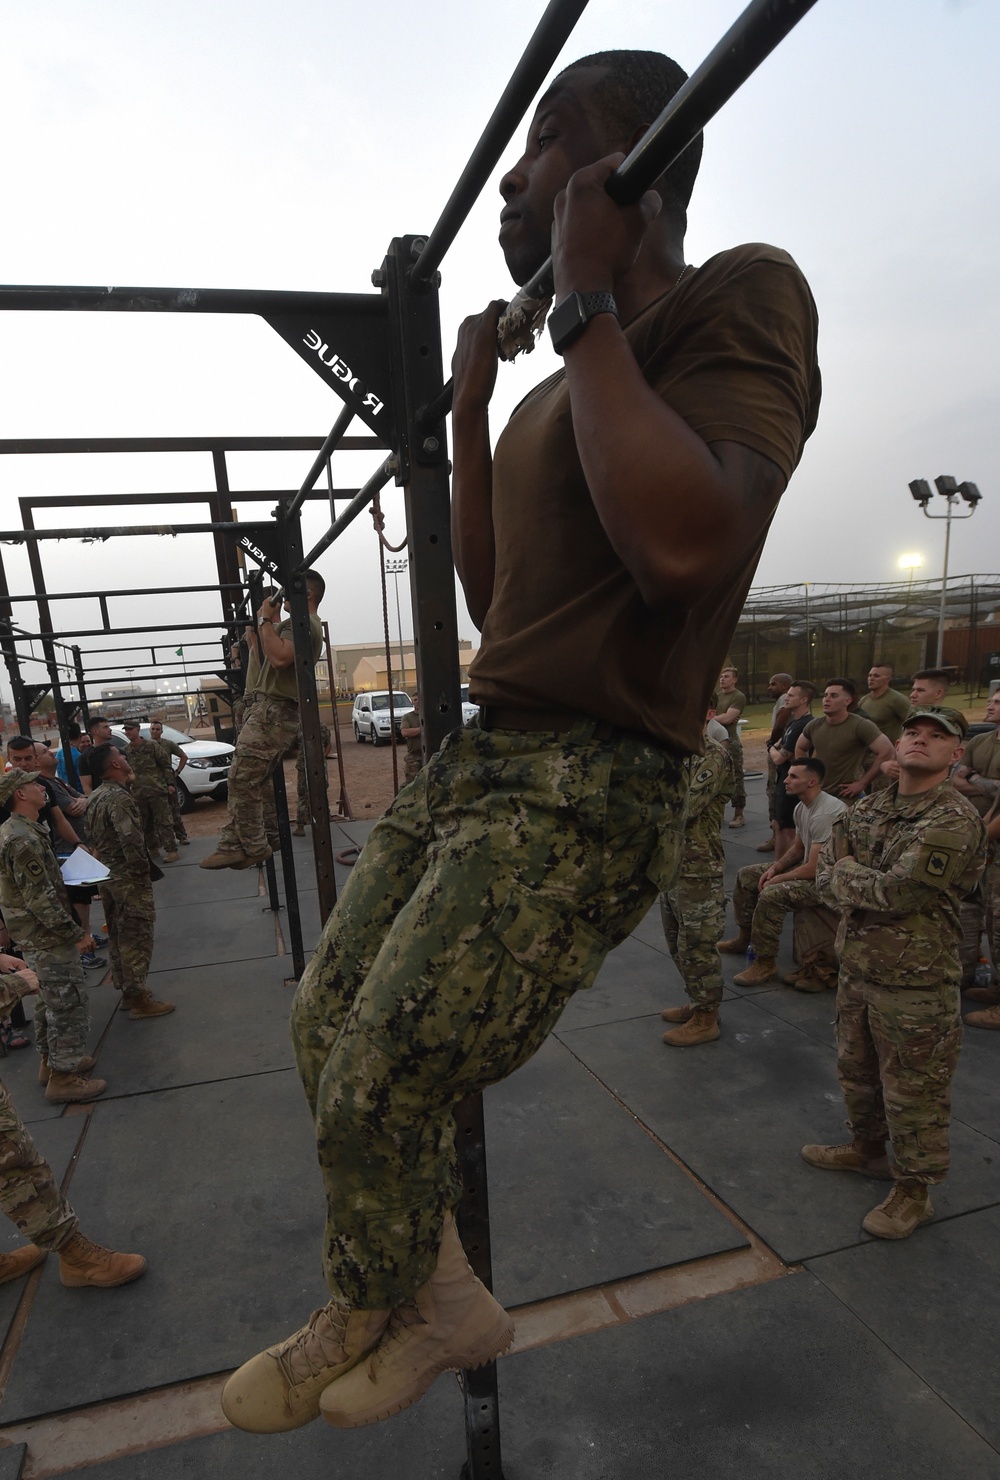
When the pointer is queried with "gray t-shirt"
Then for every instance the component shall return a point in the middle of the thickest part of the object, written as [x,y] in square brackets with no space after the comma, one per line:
[814,824]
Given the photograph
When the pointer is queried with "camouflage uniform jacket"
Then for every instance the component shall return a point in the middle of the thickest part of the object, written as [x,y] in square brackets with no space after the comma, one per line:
[33,898]
[10,996]
[898,868]
[152,767]
[171,747]
[116,833]
[711,785]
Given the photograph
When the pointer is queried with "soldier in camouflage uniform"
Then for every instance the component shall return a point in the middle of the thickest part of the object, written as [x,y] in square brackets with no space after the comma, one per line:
[898,866]
[40,919]
[694,910]
[29,1194]
[301,789]
[127,896]
[152,776]
[174,792]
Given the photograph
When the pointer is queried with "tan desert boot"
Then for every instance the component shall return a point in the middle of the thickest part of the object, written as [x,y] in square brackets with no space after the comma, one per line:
[233,858]
[72,1089]
[907,1206]
[452,1324]
[172,856]
[701,1027]
[84,1263]
[83,1067]
[13,1265]
[738,946]
[145,1005]
[676,1014]
[764,969]
[279,1389]
[989,996]
[866,1157]
[990,1018]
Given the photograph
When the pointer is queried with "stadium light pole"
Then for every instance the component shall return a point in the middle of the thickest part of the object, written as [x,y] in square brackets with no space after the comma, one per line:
[953,492]
[396,568]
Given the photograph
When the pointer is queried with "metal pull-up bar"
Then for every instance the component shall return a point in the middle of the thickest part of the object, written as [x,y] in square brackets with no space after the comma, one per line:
[550,36]
[751,39]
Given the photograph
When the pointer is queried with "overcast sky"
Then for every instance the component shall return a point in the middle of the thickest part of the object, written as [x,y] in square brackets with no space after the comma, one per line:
[258,145]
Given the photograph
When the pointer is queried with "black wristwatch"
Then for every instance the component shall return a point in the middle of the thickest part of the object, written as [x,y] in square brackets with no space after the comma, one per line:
[571,316]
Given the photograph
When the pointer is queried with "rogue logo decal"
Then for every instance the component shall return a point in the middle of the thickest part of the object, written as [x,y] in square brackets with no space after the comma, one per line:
[342,371]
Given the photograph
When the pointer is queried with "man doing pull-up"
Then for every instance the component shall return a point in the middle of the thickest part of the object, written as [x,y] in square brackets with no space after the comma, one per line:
[605,550]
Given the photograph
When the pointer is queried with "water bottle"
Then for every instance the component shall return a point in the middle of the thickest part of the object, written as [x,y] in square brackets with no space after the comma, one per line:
[984,974]
[752,956]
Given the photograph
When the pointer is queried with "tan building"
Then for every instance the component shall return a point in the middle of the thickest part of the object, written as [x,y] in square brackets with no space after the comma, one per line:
[361,666]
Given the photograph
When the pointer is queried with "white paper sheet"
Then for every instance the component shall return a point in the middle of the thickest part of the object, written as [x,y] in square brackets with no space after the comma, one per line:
[82,867]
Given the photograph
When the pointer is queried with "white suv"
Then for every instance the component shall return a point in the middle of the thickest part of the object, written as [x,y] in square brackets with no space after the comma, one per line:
[370,715]
[207,769]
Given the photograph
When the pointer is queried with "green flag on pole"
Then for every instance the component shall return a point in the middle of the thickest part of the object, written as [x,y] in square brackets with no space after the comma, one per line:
[179,652]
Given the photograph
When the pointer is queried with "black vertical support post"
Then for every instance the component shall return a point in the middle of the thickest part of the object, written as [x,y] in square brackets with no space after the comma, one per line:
[45,626]
[81,685]
[314,760]
[288,869]
[423,470]
[10,656]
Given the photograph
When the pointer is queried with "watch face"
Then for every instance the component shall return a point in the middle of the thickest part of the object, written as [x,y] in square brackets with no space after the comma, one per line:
[567,322]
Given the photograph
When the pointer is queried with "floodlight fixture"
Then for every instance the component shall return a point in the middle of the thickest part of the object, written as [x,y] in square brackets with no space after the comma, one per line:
[946,485]
[910,561]
[951,491]
[921,490]
[970,492]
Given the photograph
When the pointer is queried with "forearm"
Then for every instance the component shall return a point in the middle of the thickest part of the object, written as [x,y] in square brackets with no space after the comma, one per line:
[857,887]
[667,505]
[472,538]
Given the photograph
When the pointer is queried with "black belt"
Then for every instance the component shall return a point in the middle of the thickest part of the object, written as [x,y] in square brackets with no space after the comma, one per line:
[557,722]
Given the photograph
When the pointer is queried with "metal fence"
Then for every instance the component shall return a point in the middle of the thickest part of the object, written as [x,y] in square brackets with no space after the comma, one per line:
[818,631]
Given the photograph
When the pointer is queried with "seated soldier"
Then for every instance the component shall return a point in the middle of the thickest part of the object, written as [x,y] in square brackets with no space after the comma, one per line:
[765,891]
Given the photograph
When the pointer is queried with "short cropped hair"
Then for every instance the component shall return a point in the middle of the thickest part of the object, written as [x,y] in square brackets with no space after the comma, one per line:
[806,685]
[881,663]
[20,742]
[73,730]
[315,584]
[810,763]
[635,89]
[935,675]
[847,684]
[94,721]
[100,755]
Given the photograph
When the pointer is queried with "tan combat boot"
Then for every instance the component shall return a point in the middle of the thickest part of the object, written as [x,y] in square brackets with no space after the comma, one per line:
[866,1157]
[72,1089]
[83,1067]
[701,1027]
[676,1014]
[988,996]
[298,831]
[452,1324]
[738,946]
[230,858]
[13,1265]
[990,1018]
[764,969]
[172,856]
[145,1005]
[279,1389]
[767,846]
[907,1206]
[84,1263]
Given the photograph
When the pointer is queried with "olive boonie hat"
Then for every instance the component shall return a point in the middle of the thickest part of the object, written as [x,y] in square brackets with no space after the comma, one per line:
[952,720]
[11,780]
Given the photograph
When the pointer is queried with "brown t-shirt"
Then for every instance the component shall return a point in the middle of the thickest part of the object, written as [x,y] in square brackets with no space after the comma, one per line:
[280,683]
[841,748]
[888,711]
[733,351]
[735,700]
[982,755]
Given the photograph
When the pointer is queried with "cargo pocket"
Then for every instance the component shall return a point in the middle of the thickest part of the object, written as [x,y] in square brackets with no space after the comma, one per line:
[535,958]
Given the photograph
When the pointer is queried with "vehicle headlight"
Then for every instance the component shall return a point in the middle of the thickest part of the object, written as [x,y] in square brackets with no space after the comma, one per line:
[205,763]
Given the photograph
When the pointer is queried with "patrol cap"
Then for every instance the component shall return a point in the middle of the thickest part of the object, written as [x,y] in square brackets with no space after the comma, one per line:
[952,720]
[11,780]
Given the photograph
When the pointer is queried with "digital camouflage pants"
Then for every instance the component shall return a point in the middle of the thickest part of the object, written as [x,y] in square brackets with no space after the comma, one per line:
[130,915]
[157,822]
[694,917]
[62,1013]
[268,731]
[28,1192]
[763,911]
[490,891]
[897,1049]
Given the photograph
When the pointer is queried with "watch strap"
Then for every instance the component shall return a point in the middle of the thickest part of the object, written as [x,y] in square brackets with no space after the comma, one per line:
[571,316]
